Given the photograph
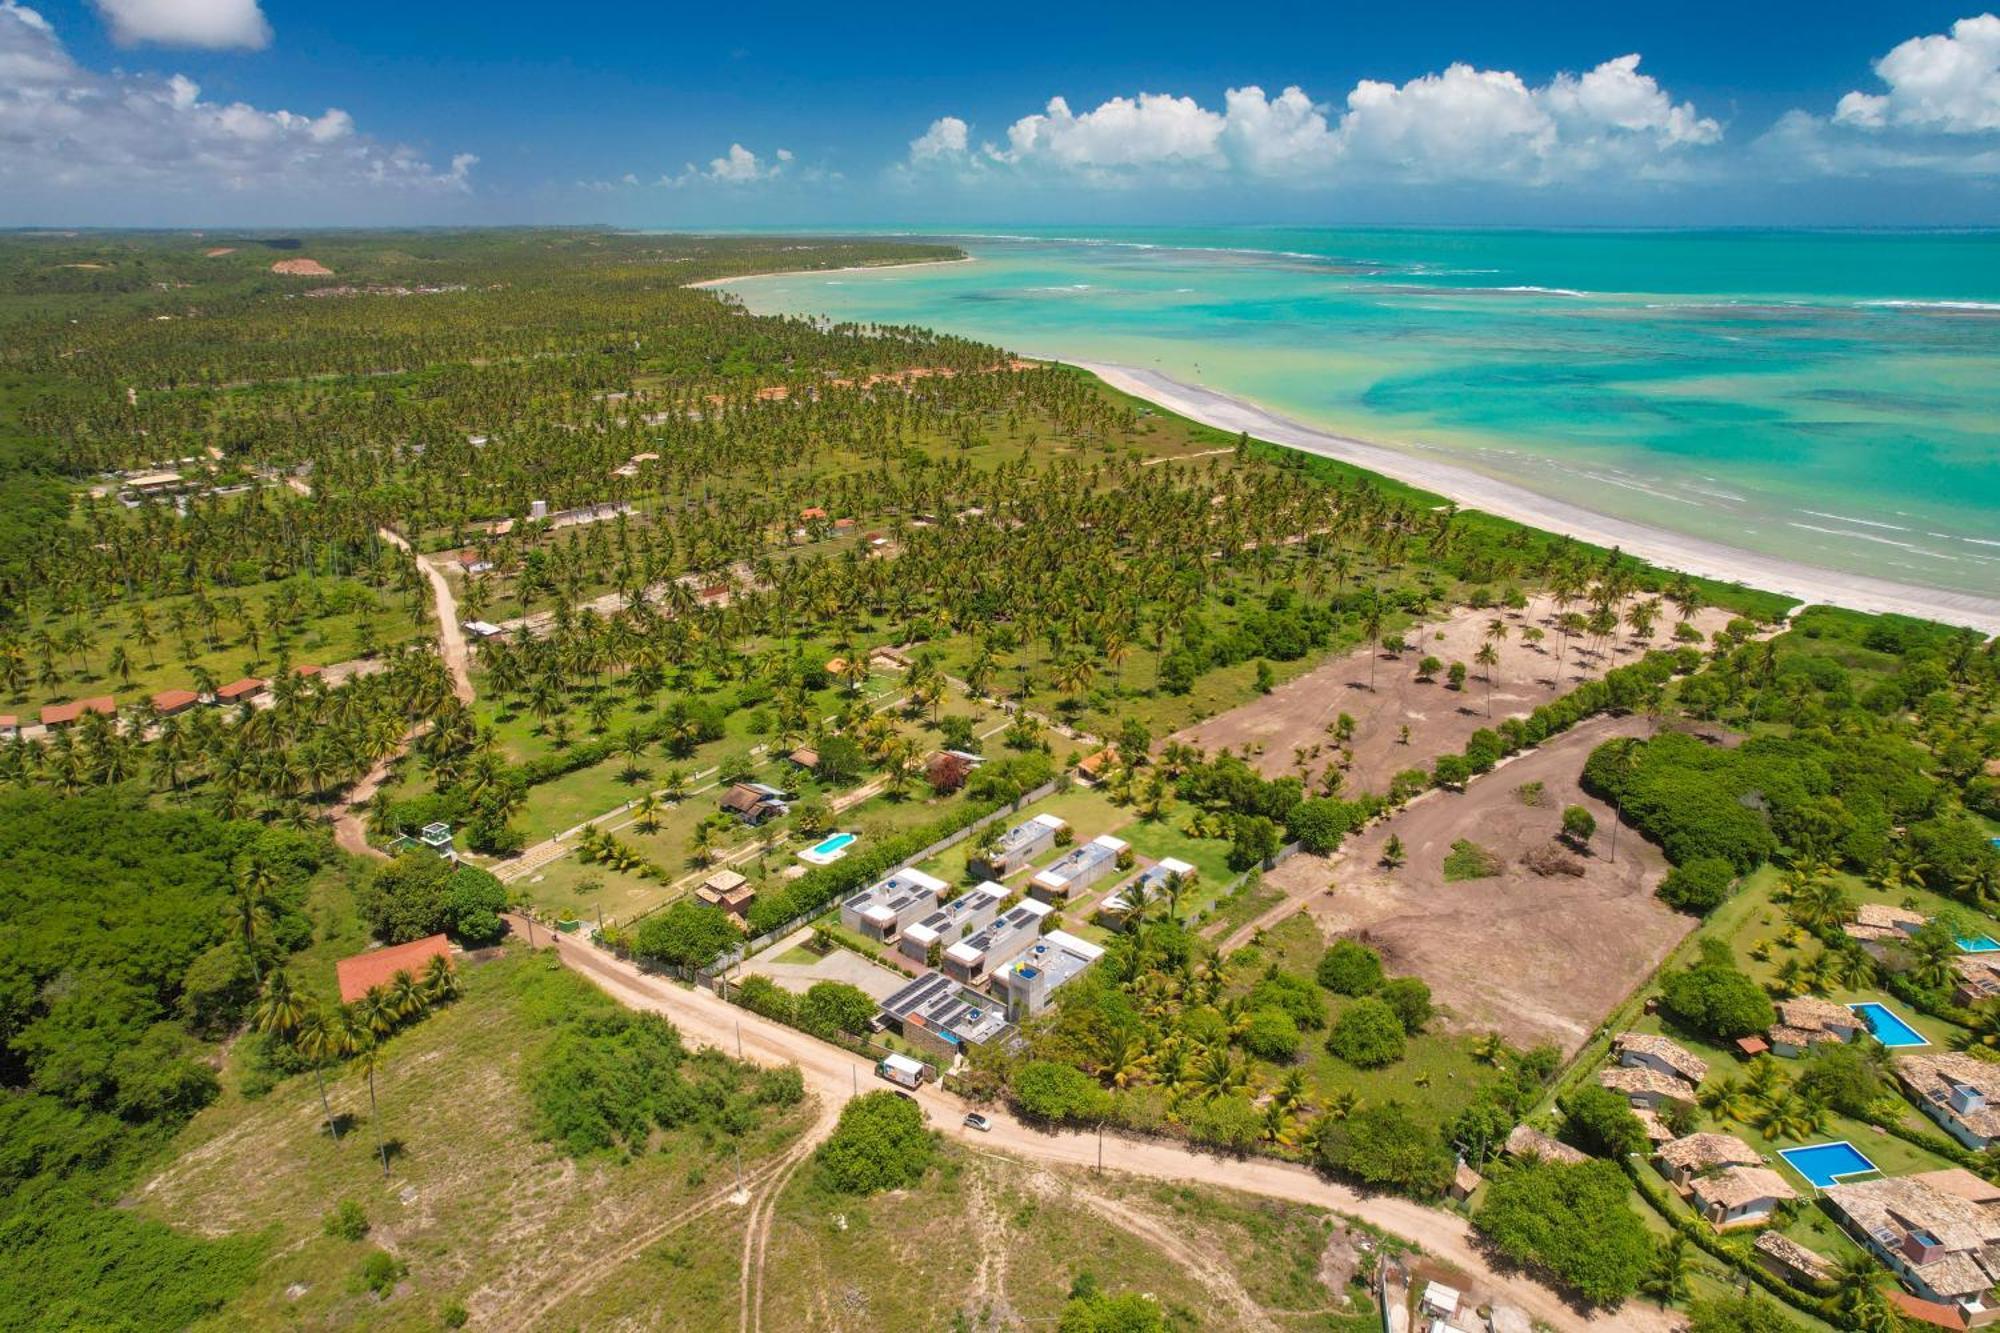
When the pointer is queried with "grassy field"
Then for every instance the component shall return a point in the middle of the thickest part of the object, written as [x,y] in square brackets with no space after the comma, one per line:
[988,1243]
[479,1211]
[1438,1075]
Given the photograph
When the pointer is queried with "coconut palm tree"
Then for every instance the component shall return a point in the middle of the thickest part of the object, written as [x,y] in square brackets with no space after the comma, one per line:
[322,1039]
[368,1061]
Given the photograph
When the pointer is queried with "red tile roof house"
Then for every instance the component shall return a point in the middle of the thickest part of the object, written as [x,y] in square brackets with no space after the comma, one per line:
[10,726]
[236,691]
[365,971]
[307,670]
[168,702]
[61,715]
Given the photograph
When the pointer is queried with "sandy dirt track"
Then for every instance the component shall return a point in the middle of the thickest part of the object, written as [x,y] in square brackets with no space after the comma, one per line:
[706,1019]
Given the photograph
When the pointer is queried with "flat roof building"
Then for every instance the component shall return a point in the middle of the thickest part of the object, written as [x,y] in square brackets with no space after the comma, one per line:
[984,952]
[954,920]
[1043,967]
[935,1014]
[1017,846]
[1147,885]
[1077,869]
[881,910]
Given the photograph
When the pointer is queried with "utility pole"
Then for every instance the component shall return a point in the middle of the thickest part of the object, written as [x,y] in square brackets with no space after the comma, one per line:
[1100,1147]
[739,1039]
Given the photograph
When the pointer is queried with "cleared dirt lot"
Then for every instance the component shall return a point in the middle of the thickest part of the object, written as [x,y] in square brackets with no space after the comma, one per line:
[1301,713]
[1533,957]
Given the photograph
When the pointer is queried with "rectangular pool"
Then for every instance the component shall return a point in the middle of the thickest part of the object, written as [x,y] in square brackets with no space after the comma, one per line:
[828,849]
[1978,944]
[1825,1164]
[1888,1026]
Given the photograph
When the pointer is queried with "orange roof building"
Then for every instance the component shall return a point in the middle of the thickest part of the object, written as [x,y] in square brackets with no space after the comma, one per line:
[307,670]
[168,702]
[365,971]
[238,690]
[61,715]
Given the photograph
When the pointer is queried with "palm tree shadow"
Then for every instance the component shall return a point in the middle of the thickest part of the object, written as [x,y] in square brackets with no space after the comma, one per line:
[340,1127]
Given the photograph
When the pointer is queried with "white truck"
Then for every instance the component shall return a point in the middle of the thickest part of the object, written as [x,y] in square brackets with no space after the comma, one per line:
[901,1070]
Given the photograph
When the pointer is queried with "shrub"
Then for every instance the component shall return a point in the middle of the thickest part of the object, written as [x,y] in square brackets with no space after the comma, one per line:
[835,1006]
[1468,860]
[1572,1223]
[1294,994]
[1410,998]
[1318,825]
[1715,998]
[347,1222]
[1272,1035]
[1699,887]
[1386,1147]
[1578,824]
[1046,1090]
[1225,1122]
[880,1143]
[381,1271]
[1601,1122]
[1350,967]
[1368,1035]
[687,934]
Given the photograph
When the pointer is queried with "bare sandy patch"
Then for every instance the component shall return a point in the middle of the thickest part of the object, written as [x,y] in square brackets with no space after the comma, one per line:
[218,252]
[1291,729]
[302,268]
[1534,957]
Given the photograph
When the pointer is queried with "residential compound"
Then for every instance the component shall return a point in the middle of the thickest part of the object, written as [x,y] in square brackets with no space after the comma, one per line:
[1939,1231]
[881,911]
[990,948]
[1077,869]
[1017,846]
[970,911]
[1808,1021]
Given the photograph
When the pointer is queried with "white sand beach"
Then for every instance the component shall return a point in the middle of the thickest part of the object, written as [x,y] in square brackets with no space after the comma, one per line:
[1706,559]
[828,272]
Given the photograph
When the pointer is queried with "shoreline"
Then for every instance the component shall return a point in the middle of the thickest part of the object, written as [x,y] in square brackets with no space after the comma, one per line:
[1698,556]
[707,283]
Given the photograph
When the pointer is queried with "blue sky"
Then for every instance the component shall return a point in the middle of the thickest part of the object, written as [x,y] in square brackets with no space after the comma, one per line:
[262,111]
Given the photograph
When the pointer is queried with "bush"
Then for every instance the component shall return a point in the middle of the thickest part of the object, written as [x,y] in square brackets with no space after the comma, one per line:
[835,1006]
[1272,1035]
[381,1271]
[1601,1122]
[1294,994]
[1468,860]
[1386,1147]
[1318,825]
[1046,1090]
[1410,998]
[687,934]
[1578,824]
[1718,1000]
[879,1144]
[1229,1122]
[605,1081]
[1368,1035]
[347,1222]
[1350,968]
[1699,887]
[1572,1223]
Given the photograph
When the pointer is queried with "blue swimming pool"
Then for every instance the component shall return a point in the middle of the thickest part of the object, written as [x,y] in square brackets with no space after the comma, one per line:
[828,849]
[1888,1026]
[1824,1164]
[1978,944]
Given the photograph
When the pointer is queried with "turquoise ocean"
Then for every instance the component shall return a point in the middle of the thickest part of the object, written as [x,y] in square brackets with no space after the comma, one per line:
[1827,397]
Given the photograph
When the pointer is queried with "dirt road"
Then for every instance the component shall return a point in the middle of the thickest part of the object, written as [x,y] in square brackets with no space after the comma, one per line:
[706,1019]
[451,635]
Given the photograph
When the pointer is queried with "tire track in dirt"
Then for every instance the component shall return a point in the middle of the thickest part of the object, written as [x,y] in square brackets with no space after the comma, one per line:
[757,1231]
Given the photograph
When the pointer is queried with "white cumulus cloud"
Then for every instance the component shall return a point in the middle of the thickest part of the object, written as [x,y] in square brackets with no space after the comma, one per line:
[1947,83]
[214,24]
[1461,124]
[739,166]
[945,138]
[69,132]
